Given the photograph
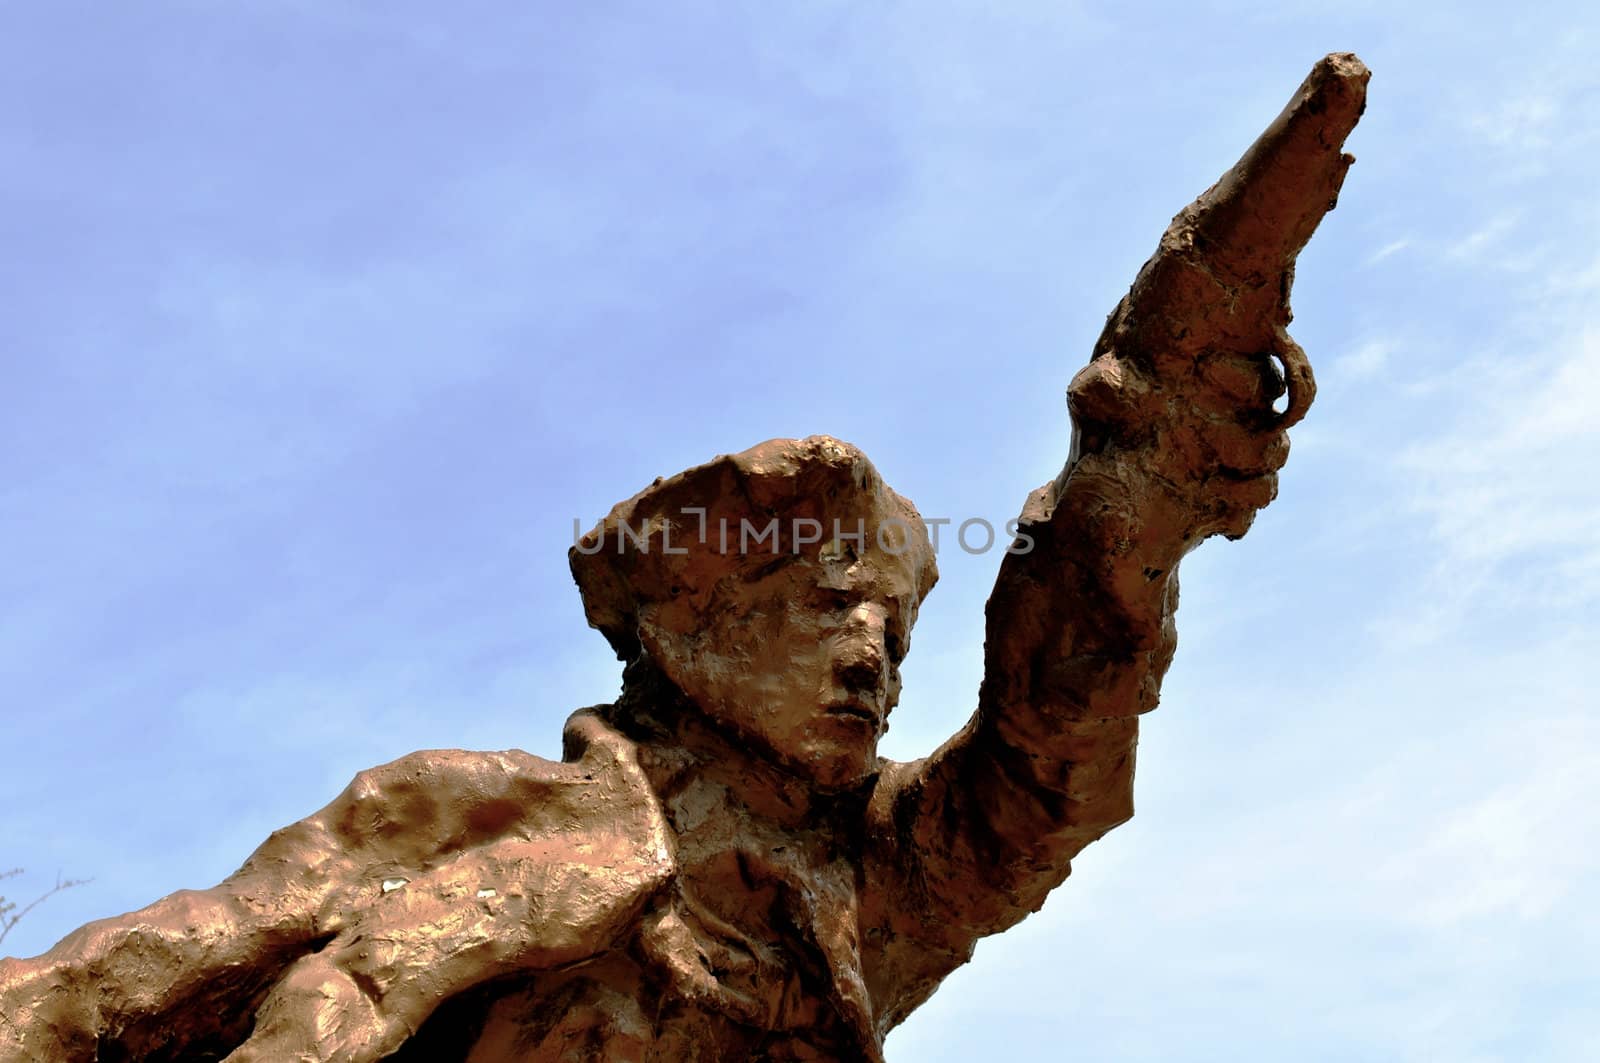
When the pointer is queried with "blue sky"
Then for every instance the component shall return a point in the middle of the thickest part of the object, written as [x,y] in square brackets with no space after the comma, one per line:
[324,321]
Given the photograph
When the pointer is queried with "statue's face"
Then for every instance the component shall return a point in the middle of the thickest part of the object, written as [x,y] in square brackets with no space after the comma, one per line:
[805,666]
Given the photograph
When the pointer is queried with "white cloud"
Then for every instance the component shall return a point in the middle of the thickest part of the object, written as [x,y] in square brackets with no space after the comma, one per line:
[1365,361]
[1474,247]
[1510,852]
[1512,480]
[1540,114]
[1394,247]
[1522,123]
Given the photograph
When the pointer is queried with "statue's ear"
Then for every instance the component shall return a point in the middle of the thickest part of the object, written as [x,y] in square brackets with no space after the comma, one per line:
[666,632]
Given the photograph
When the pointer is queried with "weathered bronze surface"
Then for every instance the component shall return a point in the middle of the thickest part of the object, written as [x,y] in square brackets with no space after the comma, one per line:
[721,867]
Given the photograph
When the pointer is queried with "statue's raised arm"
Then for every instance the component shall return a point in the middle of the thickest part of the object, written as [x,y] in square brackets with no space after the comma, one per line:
[1176,438]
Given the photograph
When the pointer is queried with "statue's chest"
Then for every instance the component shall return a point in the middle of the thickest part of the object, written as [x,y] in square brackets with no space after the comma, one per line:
[761,923]
[751,953]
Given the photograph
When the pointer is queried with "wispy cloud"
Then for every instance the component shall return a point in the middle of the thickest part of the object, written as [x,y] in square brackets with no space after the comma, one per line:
[1541,117]
[1523,123]
[1393,247]
[1364,361]
[1512,481]
[1488,236]
[1515,835]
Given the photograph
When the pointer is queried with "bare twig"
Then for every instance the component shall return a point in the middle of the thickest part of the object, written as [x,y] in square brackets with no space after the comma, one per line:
[11,915]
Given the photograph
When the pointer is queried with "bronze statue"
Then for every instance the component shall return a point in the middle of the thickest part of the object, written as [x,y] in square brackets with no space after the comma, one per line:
[722,867]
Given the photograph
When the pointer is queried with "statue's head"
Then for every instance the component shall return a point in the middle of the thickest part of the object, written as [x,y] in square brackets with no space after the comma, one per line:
[776,589]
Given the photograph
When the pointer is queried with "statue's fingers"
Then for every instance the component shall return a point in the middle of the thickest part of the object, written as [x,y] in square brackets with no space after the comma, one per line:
[1235,386]
[1223,449]
[1298,378]
[1230,505]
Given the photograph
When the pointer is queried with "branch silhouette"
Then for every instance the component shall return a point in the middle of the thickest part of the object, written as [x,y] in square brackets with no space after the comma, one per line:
[11,914]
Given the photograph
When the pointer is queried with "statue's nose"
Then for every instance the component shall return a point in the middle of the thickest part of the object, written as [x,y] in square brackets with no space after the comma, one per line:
[860,669]
[861,653]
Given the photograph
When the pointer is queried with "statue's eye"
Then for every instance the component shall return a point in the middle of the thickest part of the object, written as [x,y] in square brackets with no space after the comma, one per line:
[835,598]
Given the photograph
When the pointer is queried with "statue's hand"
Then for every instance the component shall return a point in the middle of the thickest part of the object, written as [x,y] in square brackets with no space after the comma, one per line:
[1204,427]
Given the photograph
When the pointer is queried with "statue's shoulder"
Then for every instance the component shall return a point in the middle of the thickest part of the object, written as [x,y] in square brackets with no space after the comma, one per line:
[425,809]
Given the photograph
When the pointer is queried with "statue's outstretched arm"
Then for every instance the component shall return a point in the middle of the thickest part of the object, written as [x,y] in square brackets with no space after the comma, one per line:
[341,934]
[1176,439]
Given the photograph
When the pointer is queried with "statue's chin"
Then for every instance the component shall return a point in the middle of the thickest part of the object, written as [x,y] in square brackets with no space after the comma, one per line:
[832,781]
[832,767]
[829,756]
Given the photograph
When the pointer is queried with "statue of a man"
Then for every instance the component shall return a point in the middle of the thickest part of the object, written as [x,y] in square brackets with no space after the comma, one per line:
[722,867]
